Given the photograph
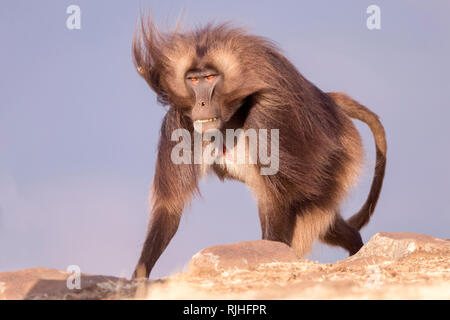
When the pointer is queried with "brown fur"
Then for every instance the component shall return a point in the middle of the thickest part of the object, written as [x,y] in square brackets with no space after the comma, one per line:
[320,149]
[360,112]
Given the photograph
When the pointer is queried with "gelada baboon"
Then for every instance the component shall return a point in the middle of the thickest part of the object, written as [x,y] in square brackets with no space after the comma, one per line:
[223,77]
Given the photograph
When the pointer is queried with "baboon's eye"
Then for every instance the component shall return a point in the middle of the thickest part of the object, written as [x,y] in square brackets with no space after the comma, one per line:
[194,81]
[210,78]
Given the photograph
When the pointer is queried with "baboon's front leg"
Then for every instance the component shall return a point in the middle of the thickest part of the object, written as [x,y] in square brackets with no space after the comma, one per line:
[173,187]
[161,229]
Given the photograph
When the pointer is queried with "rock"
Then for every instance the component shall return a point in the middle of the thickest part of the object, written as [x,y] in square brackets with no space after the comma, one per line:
[389,266]
[45,283]
[399,245]
[240,256]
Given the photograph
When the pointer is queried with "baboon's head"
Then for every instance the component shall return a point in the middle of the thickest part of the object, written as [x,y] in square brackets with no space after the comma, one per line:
[207,73]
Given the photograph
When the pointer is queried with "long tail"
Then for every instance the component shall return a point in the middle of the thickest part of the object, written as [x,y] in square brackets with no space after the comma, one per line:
[357,111]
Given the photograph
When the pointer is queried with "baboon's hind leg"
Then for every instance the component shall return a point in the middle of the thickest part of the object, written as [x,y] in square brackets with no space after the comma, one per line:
[276,225]
[295,226]
[310,225]
[343,235]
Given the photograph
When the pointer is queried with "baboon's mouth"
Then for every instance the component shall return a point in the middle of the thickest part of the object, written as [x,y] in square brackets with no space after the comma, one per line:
[206,120]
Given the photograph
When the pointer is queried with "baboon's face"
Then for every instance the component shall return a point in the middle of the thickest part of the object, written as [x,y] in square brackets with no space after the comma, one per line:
[204,86]
[206,76]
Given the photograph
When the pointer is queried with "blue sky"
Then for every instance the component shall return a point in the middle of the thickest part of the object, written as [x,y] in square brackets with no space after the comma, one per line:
[79,127]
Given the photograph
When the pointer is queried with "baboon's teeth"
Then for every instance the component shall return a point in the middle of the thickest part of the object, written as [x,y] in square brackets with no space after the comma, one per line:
[206,120]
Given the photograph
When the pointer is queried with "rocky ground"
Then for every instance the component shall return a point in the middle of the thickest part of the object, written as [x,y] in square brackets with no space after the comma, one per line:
[389,266]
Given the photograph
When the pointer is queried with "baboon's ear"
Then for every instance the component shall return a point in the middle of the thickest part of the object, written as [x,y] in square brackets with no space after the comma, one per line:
[163,59]
[239,79]
[179,59]
[228,64]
